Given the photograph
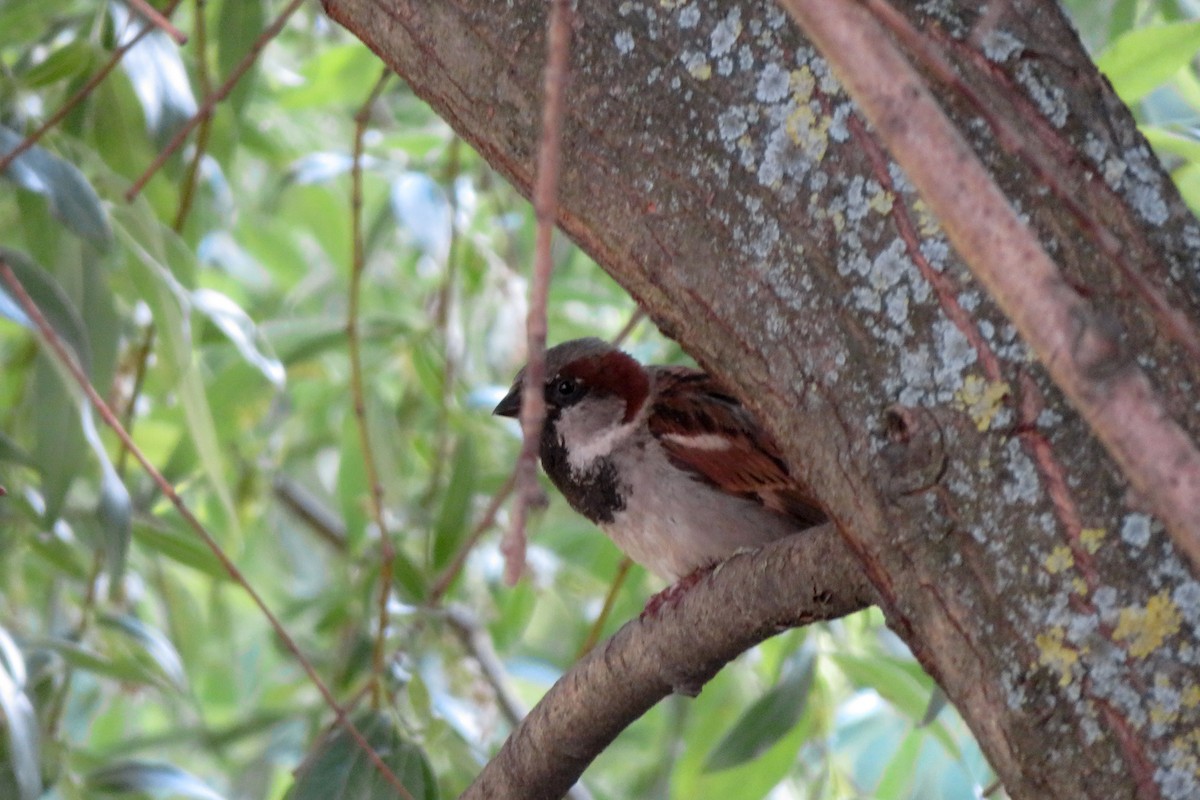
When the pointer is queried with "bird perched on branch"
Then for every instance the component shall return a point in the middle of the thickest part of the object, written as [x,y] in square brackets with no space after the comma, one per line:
[663,459]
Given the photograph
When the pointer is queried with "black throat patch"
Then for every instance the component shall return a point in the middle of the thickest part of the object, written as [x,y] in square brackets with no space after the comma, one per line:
[596,494]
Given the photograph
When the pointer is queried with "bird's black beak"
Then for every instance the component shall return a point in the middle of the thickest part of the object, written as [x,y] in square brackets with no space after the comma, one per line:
[510,406]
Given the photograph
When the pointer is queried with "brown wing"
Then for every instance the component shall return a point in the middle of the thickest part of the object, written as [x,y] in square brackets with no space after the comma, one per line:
[706,431]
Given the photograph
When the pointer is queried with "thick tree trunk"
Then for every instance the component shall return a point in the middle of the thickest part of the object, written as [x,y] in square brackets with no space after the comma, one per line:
[715,168]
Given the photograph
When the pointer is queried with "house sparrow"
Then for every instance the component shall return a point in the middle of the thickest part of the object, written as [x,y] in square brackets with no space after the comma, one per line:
[664,459]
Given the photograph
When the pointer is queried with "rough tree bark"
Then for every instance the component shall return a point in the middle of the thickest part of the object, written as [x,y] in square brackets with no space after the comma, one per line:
[716,169]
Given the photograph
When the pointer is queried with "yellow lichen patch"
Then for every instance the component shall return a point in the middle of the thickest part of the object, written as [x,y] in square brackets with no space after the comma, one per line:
[802,83]
[981,399]
[927,223]
[1060,559]
[1182,753]
[1091,538]
[1146,628]
[881,202]
[1191,696]
[808,131]
[1053,652]
[1079,586]
[701,71]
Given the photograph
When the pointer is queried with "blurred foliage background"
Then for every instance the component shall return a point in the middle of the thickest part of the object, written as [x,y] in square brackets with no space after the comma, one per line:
[211,313]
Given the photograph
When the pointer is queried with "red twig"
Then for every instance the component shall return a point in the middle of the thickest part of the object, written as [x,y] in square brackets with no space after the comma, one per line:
[64,357]
[387,551]
[77,98]
[157,20]
[210,102]
[533,408]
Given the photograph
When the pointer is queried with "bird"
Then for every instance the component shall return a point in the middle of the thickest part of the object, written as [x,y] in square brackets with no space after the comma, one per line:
[663,459]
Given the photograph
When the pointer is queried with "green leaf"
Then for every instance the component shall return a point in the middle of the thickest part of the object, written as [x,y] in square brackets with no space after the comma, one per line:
[148,777]
[72,198]
[1164,140]
[59,446]
[150,646]
[115,509]
[896,783]
[18,722]
[73,59]
[169,302]
[12,452]
[236,324]
[1142,59]
[51,299]
[769,718]
[240,24]
[896,681]
[453,520]
[341,770]
[180,545]
[156,74]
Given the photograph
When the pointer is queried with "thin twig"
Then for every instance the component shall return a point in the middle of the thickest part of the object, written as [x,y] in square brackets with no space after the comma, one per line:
[80,95]
[187,190]
[533,407]
[210,102]
[609,601]
[64,357]
[475,640]
[387,551]
[635,319]
[442,584]
[443,319]
[157,20]
[139,381]
[320,520]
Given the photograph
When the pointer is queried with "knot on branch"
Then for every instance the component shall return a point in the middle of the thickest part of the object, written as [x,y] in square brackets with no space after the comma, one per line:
[1097,344]
[915,453]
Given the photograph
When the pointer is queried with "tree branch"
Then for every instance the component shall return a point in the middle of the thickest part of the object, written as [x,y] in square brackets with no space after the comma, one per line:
[805,578]
[1080,346]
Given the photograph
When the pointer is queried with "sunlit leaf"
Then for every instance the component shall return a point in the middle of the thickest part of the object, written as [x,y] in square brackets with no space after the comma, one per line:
[897,779]
[341,770]
[454,518]
[20,721]
[1164,140]
[149,777]
[72,198]
[318,168]
[1143,58]
[768,718]
[893,679]
[241,330]
[115,510]
[59,445]
[150,643]
[239,25]
[157,74]
[179,545]
[73,59]
[51,301]
[169,301]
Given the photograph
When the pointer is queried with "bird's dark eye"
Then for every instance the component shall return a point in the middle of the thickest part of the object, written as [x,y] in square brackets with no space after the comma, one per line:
[563,391]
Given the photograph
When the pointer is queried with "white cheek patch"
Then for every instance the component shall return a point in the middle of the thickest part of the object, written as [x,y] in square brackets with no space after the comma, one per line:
[703,441]
[593,429]
[582,455]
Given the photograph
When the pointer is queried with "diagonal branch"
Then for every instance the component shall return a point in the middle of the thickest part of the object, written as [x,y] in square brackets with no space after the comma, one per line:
[1080,346]
[805,578]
